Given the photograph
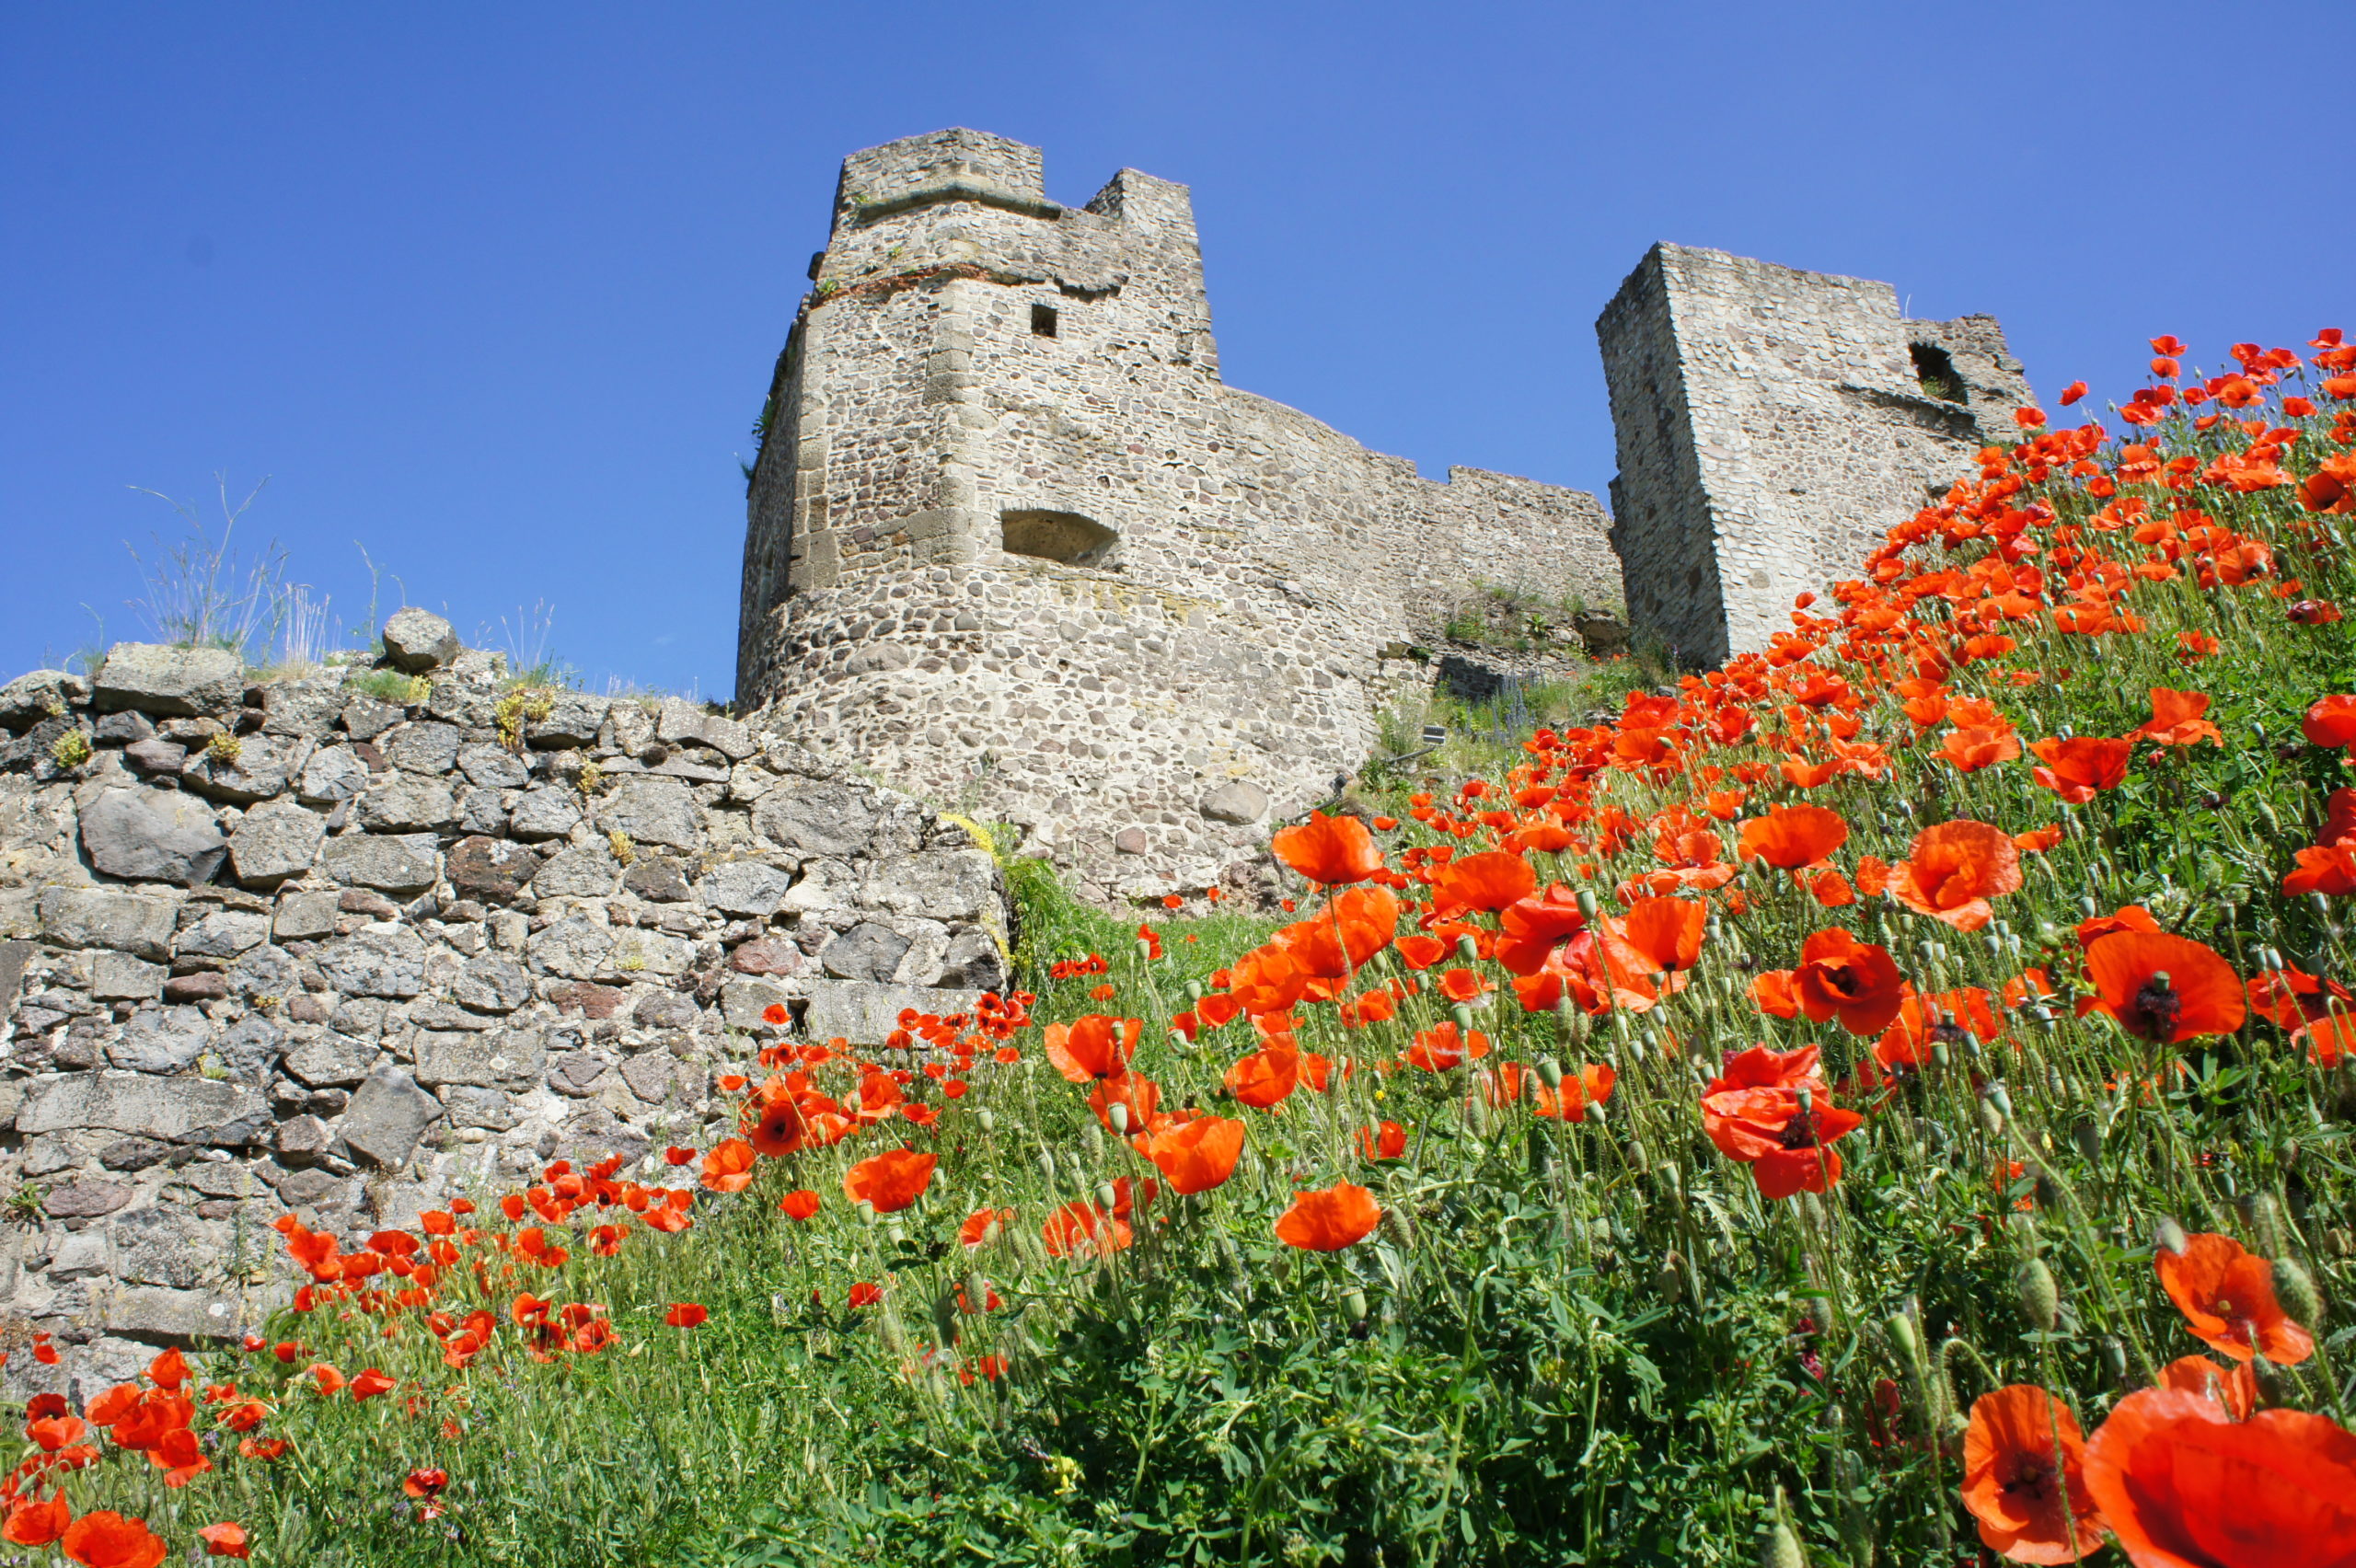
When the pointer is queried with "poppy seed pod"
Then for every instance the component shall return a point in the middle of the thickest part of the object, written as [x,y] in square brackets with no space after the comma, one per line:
[1354,1305]
[1550,1072]
[2040,1298]
[1108,1198]
[1462,1013]
[988,1118]
[1194,990]
[2294,1287]
[2170,1235]
[2114,1359]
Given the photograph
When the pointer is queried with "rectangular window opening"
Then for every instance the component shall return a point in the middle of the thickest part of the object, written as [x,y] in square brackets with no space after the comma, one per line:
[1043,320]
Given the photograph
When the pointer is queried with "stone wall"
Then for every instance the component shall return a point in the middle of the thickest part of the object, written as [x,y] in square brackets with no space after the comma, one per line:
[1772,424]
[1013,545]
[290,947]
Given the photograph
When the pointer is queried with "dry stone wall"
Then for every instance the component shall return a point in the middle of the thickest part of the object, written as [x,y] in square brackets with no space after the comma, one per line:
[1014,545]
[289,947]
[1772,424]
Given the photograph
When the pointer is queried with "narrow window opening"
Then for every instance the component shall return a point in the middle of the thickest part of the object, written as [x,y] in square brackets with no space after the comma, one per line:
[1935,370]
[1043,320]
[1065,538]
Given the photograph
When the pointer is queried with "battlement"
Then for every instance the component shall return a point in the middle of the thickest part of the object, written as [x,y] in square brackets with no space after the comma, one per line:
[914,168]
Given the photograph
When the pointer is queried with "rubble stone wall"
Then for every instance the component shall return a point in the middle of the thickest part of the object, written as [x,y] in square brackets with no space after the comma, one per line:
[1772,424]
[1014,545]
[294,948]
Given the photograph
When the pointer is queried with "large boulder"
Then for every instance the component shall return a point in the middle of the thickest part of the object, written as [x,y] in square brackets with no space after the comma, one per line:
[43,694]
[417,640]
[152,677]
[153,835]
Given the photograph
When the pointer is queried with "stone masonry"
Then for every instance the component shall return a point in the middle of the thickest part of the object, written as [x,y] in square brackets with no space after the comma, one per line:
[1013,545]
[1772,424]
[293,947]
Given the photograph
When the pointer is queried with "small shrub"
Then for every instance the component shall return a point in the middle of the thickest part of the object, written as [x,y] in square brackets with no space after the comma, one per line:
[70,750]
[224,749]
[624,850]
[396,686]
[523,705]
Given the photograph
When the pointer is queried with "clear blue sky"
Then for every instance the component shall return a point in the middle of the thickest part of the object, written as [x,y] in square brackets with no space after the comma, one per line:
[495,289]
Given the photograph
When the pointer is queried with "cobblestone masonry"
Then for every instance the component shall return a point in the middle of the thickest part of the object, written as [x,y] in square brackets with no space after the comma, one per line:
[378,958]
[1013,545]
[1772,423]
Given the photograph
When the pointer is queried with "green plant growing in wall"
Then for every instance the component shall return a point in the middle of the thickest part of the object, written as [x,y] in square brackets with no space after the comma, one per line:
[70,750]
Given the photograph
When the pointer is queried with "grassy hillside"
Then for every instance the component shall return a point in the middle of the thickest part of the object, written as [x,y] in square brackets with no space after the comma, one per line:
[1719,1137]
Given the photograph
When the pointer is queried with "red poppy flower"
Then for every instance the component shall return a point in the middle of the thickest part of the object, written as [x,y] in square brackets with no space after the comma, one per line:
[1953,869]
[982,1227]
[729,1167]
[686,1315]
[2182,1485]
[889,1182]
[1091,1047]
[1421,951]
[2330,720]
[1136,1095]
[1529,929]
[224,1540]
[371,1383]
[2023,1477]
[780,1128]
[1330,851]
[2227,1297]
[1489,880]
[864,1294]
[775,1013]
[1327,1221]
[2079,769]
[800,1204]
[1196,1155]
[106,1539]
[1340,938]
[1591,1085]
[1385,1140]
[1265,1078]
[2235,1389]
[1666,933]
[1084,1230]
[2162,988]
[1856,981]
[1772,1111]
[1440,1047]
[1789,838]
[32,1522]
[2176,720]
[1972,749]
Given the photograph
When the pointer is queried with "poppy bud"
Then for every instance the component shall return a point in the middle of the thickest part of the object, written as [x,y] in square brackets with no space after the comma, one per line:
[1118,1114]
[2273,1388]
[895,1338]
[1782,1547]
[1951,1435]
[2170,1234]
[2040,1299]
[1093,1136]
[1047,1165]
[2087,905]
[2114,1359]
[1145,949]
[1586,902]
[1107,1198]
[1668,1280]
[1462,1013]
[1354,1305]
[1395,1225]
[2294,1287]
[1907,1343]
[2088,1138]
[1194,990]
[1991,1119]
[1550,1072]
[1638,1160]
[1567,1018]
[988,1118]
[944,1318]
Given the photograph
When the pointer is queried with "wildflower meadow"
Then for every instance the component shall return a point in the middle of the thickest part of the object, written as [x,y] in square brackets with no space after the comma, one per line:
[1883,1101]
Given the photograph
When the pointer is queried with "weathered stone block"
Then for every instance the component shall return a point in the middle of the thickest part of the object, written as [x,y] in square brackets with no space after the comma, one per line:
[375,962]
[585,870]
[274,842]
[1236,802]
[100,918]
[42,694]
[387,1116]
[492,768]
[491,985]
[940,884]
[417,640]
[224,934]
[749,889]
[831,819]
[304,915]
[119,978]
[515,1056]
[402,866]
[331,1061]
[153,835]
[866,952]
[547,813]
[161,1039]
[651,811]
[574,948]
[405,803]
[133,1102]
[334,772]
[155,678]
[424,748]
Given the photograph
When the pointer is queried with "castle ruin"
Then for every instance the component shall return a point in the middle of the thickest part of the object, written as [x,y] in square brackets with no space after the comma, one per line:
[1014,545]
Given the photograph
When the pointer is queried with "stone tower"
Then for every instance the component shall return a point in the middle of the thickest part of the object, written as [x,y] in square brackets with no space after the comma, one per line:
[1772,424]
[1013,545]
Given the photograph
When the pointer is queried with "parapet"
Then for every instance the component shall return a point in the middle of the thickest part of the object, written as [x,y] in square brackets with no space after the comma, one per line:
[1772,424]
